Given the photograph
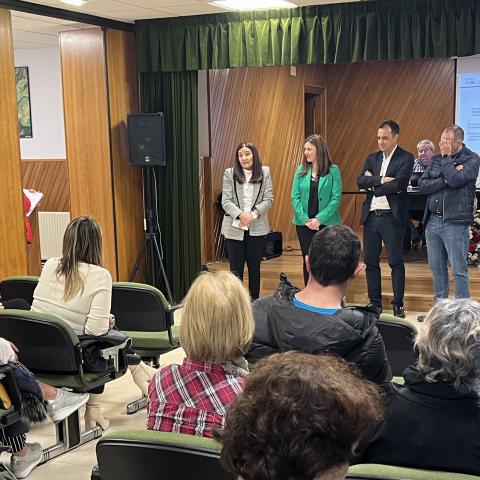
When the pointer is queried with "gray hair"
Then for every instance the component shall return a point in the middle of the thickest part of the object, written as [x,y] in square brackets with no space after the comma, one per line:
[449,344]
[428,143]
[457,130]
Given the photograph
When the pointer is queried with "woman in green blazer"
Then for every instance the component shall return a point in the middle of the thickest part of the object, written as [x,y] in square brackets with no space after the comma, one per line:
[316,193]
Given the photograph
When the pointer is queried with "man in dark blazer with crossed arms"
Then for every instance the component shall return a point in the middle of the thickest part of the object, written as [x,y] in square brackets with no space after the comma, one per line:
[385,214]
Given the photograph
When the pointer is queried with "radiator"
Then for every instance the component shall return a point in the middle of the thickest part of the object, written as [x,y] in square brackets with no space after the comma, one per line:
[51,226]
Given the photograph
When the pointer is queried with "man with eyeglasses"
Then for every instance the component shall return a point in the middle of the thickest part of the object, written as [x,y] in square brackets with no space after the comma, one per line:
[426,150]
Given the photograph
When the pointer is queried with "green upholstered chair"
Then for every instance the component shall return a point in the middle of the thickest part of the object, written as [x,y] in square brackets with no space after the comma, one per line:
[18,287]
[398,336]
[374,471]
[145,454]
[56,355]
[142,312]
[9,415]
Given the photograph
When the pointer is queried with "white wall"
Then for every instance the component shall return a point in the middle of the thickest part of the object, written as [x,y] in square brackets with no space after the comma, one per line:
[46,103]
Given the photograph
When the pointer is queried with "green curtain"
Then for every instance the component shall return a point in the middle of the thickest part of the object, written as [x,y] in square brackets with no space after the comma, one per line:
[171,50]
[339,33]
[175,94]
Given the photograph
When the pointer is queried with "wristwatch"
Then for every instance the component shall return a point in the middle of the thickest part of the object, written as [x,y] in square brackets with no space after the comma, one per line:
[253,213]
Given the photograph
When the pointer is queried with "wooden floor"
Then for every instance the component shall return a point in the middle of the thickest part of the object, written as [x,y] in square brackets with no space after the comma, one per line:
[418,287]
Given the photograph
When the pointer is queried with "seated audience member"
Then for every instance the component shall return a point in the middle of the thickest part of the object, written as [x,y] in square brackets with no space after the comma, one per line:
[77,289]
[299,417]
[216,330]
[433,422]
[58,405]
[312,320]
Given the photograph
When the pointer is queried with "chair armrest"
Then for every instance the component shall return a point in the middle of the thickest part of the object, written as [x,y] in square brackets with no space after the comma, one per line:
[113,352]
[170,311]
[111,346]
[111,338]
[170,321]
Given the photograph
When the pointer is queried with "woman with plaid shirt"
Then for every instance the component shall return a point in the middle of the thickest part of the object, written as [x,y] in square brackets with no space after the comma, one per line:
[216,330]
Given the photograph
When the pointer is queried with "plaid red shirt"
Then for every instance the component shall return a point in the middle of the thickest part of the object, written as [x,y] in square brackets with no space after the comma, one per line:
[191,398]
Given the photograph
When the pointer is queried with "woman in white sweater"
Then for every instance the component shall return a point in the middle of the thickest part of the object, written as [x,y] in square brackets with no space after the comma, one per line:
[77,289]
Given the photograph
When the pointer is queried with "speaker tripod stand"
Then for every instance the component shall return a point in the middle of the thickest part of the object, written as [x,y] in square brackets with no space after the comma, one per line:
[151,243]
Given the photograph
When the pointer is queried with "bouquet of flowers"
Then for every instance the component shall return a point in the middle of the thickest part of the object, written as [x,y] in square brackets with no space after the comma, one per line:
[474,246]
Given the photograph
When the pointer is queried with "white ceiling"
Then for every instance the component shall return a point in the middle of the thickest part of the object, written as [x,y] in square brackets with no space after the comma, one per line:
[34,31]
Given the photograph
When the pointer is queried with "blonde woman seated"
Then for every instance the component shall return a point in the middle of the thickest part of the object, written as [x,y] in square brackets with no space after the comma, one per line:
[433,422]
[77,289]
[216,330]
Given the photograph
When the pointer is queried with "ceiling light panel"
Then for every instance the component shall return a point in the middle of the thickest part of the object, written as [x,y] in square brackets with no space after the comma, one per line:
[252,4]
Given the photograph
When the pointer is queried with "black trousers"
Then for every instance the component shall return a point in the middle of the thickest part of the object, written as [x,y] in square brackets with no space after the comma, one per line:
[305,236]
[249,250]
[384,228]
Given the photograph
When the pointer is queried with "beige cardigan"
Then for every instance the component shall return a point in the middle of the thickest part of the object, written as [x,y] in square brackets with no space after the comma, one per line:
[88,312]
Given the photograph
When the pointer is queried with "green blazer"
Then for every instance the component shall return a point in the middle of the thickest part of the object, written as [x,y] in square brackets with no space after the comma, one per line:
[329,197]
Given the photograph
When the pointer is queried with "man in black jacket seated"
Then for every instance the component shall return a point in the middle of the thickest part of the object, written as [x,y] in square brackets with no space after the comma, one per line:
[449,182]
[312,320]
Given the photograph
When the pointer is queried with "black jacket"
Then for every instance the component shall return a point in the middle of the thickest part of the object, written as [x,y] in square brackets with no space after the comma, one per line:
[458,186]
[400,167]
[429,426]
[350,333]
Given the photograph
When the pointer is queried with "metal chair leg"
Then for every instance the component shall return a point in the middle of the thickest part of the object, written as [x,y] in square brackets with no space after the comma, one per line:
[137,405]
[70,436]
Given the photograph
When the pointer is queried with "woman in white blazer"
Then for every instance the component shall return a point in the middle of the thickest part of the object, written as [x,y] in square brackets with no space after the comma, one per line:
[247,197]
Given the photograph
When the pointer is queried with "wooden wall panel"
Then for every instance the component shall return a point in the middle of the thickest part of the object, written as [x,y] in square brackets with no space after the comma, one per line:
[207,213]
[418,94]
[87,132]
[264,106]
[13,252]
[127,181]
[51,178]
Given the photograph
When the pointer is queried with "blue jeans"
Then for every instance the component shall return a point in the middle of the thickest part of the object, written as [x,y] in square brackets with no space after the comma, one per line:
[448,241]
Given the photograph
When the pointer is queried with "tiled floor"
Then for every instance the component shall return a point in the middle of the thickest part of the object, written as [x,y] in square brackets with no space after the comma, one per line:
[77,464]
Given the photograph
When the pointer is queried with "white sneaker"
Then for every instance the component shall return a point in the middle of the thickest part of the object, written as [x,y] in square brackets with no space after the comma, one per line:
[66,403]
[22,466]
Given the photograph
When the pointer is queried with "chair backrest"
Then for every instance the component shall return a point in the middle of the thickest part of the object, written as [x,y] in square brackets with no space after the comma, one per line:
[398,336]
[145,454]
[372,471]
[18,287]
[139,307]
[46,343]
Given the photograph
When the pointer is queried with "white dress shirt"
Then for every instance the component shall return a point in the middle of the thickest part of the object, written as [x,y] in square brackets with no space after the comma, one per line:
[381,203]
[247,191]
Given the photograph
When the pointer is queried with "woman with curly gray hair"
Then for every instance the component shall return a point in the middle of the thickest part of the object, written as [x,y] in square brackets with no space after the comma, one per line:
[433,421]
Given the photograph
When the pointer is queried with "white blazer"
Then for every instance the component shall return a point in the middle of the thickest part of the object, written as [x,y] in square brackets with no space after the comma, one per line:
[232,203]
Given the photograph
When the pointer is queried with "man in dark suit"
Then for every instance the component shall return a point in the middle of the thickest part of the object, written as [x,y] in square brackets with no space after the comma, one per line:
[385,215]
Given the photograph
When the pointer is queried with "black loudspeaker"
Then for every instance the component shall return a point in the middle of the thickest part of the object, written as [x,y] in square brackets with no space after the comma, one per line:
[146,138]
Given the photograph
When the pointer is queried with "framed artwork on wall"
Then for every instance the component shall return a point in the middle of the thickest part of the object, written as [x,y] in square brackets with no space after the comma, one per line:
[23,102]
